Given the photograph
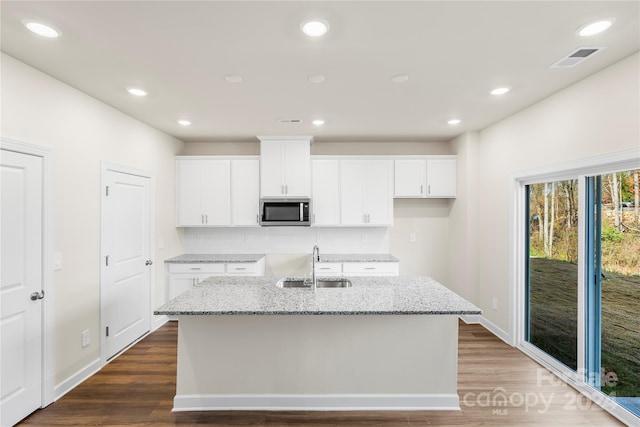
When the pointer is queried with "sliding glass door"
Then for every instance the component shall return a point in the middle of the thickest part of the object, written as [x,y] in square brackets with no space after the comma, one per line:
[613,286]
[582,280]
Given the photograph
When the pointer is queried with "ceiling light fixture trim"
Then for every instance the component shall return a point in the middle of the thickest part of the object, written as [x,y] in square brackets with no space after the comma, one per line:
[233,78]
[316,78]
[454,122]
[314,27]
[183,122]
[500,90]
[595,27]
[41,29]
[400,78]
[136,91]
[318,122]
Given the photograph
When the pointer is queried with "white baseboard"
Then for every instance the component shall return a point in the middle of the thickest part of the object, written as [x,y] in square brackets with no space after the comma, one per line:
[74,380]
[158,321]
[316,402]
[490,326]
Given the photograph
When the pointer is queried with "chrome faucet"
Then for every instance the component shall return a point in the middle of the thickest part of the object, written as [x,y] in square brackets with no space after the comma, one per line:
[314,254]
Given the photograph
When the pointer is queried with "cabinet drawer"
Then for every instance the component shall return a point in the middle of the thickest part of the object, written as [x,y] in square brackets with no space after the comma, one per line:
[201,267]
[328,268]
[371,268]
[242,268]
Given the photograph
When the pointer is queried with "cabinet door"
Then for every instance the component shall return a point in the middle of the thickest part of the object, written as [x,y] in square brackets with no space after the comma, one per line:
[441,178]
[216,192]
[297,165]
[245,192]
[189,192]
[379,193]
[352,191]
[180,283]
[410,178]
[326,192]
[271,168]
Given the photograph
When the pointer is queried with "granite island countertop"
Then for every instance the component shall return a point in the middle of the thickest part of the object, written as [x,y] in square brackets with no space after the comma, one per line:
[214,258]
[357,258]
[399,295]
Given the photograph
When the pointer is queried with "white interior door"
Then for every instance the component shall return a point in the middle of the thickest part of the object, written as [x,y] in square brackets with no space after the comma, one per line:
[21,276]
[126,234]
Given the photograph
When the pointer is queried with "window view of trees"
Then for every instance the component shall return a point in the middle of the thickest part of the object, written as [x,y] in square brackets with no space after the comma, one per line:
[553,276]
[553,273]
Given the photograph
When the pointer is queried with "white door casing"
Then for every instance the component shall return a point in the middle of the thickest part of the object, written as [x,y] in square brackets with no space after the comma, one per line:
[126,256]
[21,277]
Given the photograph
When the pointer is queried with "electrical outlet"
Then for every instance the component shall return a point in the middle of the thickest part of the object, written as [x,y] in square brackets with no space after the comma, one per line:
[86,338]
[412,237]
[494,303]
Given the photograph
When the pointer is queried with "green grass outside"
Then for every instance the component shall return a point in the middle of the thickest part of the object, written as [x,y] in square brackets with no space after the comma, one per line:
[553,320]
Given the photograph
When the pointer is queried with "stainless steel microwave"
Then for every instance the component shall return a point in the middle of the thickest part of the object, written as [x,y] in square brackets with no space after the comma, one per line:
[285,212]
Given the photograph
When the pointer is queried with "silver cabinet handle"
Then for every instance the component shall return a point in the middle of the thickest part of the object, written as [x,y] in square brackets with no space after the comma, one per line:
[282,189]
[206,218]
[369,268]
[148,262]
[37,295]
[195,268]
[429,189]
[202,219]
[421,189]
[257,218]
[240,268]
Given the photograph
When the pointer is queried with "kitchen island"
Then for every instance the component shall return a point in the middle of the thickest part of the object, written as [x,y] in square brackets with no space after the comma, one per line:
[385,343]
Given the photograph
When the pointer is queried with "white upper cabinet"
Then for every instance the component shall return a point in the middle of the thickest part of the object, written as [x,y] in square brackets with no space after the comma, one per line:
[366,195]
[410,178]
[425,178]
[285,166]
[441,178]
[245,192]
[325,194]
[203,192]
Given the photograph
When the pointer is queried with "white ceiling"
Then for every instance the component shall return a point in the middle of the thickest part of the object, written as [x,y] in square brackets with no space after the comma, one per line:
[455,52]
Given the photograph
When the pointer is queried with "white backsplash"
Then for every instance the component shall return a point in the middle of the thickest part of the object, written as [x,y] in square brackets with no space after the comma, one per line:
[285,240]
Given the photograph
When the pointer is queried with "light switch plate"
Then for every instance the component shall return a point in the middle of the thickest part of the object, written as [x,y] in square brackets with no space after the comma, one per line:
[57,261]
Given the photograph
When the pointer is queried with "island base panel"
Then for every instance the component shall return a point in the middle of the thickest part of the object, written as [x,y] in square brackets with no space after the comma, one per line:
[290,362]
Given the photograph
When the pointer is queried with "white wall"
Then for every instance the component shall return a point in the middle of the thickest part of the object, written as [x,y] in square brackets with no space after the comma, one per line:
[82,132]
[595,116]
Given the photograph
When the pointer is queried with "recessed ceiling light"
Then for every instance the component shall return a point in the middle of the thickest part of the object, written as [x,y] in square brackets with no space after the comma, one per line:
[233,78]
[400,78]
[594,28]
[316,78]
[500,91]
[183,122]
[136,91]
[41,29]
[454,122]
[315,27]
[318,122]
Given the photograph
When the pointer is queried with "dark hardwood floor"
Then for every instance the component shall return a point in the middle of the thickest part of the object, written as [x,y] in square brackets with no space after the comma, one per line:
[137,389]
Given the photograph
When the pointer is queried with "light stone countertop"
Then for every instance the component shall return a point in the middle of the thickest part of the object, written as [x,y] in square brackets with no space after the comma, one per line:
[399,295]
[214,258]
[357,258]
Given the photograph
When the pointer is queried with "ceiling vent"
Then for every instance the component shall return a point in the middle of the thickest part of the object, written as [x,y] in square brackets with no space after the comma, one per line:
[576,57]
[290,121]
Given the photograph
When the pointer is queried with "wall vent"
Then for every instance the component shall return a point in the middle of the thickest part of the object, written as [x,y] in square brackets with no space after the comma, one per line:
[576,57]
[290,121]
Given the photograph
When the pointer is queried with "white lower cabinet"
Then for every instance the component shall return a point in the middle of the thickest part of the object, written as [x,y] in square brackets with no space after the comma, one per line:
[183,276]
[346,269]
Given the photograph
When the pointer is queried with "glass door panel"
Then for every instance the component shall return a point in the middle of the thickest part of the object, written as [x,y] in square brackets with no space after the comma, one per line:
[613,292]
[552,269]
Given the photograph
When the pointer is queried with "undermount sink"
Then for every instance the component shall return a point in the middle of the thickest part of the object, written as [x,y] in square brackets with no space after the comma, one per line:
[320,283]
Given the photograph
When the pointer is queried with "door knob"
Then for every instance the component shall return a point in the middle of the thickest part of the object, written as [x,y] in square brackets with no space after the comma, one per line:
[148,262]
[37,295]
